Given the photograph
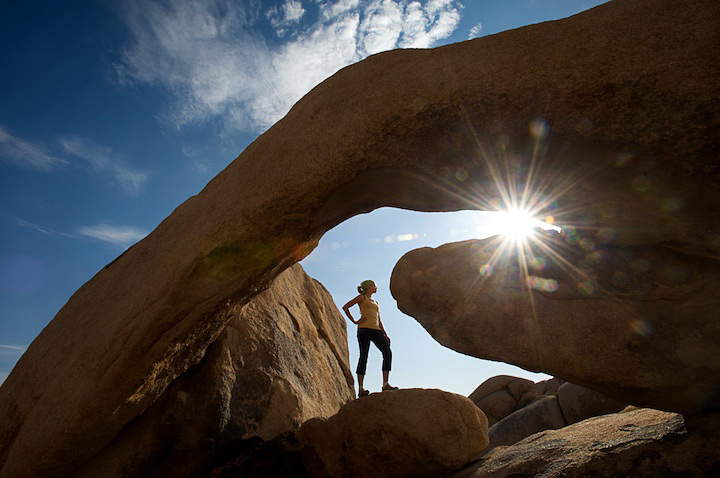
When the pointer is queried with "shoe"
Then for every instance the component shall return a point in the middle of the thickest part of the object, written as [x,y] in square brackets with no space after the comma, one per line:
[388,387]
[363,393]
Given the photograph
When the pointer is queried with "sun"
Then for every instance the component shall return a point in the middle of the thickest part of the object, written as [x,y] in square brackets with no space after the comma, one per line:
[516,224]
[519,225]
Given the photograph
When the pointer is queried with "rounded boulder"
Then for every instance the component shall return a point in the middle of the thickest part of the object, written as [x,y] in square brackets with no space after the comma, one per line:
[413,432]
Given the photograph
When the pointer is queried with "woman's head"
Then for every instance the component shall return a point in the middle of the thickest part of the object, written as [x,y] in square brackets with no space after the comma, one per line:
[367,286]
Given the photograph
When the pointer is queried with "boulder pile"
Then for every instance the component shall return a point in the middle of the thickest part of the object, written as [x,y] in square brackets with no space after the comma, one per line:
[502,395]
[520,407]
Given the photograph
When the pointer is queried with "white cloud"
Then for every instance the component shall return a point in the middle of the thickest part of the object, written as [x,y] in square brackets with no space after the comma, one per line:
[19,152]
[475,31]
[300,65]
[12,350]
[381,26]
[426,24]
[293,11]
[209,54]
[103,160]
[331,10]
[283,17]
[122,236]
[41,229]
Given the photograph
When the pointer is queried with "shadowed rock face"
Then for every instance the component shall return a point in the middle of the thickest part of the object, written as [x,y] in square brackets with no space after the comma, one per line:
[419,129]
[412,432]
[501,395]
[637,323]
[571,404]
[281,360]
[517,407]
[640,443]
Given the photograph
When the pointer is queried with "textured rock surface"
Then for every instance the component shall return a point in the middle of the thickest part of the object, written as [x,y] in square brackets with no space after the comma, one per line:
[637,324]
[578,403]
[490,386]
[572,404]
[549,387]
[640,443]
[637,78]
[516,408]
[281,360]
[497,405]
[543,414]
[410,432]
[501,395]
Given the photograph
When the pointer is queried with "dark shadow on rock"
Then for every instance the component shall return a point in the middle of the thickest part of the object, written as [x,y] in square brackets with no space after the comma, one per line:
[277,458]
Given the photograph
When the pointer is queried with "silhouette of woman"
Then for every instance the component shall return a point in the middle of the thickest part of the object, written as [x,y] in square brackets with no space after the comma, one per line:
[370,329]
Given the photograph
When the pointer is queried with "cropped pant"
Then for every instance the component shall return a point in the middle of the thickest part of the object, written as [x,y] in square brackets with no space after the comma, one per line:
[365,336]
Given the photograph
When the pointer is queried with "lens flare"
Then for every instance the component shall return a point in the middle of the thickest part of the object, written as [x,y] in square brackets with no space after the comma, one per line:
[528,186]
[520,225]
[517,224]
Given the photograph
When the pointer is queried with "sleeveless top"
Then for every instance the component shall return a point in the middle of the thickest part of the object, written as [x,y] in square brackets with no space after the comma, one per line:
[370,310]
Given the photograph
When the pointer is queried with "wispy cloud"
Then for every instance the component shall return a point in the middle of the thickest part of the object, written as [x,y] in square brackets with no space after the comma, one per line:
[285,16]
[41,229]
[121,236]
[14,350]
[103,160]
[426,24]
[209,55]
[475,31]
[27,154]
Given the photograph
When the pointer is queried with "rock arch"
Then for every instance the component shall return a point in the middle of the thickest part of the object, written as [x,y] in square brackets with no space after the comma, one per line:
[637,76]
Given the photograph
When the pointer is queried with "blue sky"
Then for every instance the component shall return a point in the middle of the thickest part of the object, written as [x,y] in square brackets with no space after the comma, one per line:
[114,112]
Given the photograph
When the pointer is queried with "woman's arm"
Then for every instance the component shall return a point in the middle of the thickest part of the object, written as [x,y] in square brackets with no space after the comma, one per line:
[347,306]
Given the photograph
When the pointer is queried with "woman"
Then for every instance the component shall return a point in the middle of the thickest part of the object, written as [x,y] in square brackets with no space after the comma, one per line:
[370,329]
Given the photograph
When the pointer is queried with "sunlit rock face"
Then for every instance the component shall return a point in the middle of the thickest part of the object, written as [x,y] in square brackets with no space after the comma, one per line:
[618,105]
[635,323]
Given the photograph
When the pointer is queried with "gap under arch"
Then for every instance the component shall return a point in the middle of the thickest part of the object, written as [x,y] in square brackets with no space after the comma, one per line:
[367,246]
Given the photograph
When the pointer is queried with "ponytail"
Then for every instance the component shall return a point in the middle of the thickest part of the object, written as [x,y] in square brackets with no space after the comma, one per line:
[362,288]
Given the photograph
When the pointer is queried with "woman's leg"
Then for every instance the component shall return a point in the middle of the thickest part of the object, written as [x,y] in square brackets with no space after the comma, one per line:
[363,336]
[380,341]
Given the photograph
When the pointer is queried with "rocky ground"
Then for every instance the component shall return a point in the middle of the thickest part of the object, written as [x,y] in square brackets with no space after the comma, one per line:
[634,443]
